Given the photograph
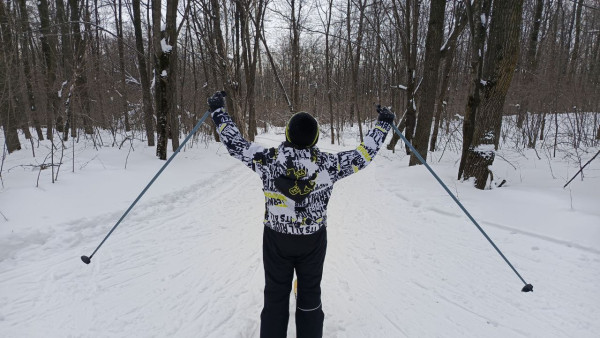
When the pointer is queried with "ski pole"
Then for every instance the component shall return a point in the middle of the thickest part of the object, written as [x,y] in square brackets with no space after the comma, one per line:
[527,287]
[87,259]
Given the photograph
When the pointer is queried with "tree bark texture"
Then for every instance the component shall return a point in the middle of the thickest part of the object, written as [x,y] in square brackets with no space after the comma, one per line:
[8,117]
[123,79]
[171,39]
[476,11]
[433,44]
[81,82]
[501,61]
[161,78]
[410,42]
[27,57]
[144,78]
[48,43]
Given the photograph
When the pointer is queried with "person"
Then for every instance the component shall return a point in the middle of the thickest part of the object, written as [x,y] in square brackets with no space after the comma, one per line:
[297,181]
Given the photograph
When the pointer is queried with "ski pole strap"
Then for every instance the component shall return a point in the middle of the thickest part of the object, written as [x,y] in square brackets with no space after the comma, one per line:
[154,179]
[527,287]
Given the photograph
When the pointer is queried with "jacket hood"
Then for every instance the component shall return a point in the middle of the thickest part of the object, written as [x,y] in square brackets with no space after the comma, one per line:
[298,170]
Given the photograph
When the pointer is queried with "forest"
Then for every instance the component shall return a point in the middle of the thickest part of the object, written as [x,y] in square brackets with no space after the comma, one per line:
[78,70]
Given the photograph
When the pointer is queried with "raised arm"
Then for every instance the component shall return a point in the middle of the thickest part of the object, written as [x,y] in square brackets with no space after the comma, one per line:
[346,163]
[248,152]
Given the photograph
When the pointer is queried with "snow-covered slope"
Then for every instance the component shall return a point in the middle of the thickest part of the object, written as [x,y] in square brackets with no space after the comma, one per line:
[402,258]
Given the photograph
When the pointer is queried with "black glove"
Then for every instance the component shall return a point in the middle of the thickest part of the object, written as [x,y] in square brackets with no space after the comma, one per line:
[216,101]
[385,114]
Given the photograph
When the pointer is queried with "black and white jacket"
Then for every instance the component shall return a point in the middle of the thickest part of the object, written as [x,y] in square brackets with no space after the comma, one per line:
[297,182]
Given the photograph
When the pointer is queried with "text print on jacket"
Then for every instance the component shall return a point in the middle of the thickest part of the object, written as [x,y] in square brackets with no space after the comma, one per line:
[297,182]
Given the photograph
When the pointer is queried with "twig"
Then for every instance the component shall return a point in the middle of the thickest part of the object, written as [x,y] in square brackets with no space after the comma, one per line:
[2,165]
[6,219]
[512,165]
[129,152]
[86,163]
[580,170]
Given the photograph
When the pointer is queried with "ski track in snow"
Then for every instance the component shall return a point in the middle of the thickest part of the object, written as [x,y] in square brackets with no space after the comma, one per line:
[397,266]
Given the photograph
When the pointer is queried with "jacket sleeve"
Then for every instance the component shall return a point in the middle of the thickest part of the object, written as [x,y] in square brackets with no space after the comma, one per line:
[346,163]
[253,155]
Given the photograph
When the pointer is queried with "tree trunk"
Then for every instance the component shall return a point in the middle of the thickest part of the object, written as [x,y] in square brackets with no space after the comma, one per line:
[447,54]
[222,64]
[80,74]
[66,61]
[411,21]
[433,44]
[501,61]
[250,57]
[8,117]
[328,71]
[355,60]
[476,11]
[161,79]
[575,54]
[143,70]
[442,100]
[530,66]
[295,31]
[48,41]
[171,36]
[29,74]
[120,48]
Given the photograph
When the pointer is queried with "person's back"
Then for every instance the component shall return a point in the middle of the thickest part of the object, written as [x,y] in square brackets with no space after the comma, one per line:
[297,182]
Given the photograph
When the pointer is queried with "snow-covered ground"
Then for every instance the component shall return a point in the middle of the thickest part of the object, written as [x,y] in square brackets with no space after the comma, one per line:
[403,260]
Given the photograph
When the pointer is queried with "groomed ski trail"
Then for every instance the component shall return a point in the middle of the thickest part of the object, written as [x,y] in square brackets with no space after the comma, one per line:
[188,264]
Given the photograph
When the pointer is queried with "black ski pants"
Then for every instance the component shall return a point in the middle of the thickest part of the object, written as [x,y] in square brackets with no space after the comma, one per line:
[282,253]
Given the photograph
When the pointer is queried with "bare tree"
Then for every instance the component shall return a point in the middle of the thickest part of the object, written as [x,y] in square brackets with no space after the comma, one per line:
[250,55]
[143,71]
[478,13]
[122,90]
[27,58]
[501,59]
[447,53]
[433,44]
[48,44]
[8,116]
[409,34]
[165,43]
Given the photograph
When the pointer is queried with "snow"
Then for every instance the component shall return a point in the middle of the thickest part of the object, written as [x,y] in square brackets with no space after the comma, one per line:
[166,48]
[59,93]
[163,73]
[402,261]
[484,148]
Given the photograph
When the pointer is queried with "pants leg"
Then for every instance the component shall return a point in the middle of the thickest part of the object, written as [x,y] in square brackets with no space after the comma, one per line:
[279,273]
[309,269]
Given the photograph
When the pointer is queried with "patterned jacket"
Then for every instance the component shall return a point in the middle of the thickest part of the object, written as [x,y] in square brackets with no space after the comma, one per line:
[297,182]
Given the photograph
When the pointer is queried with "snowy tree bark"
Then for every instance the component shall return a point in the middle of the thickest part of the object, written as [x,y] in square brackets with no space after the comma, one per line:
[477,12]
[501,59]
[161,79]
